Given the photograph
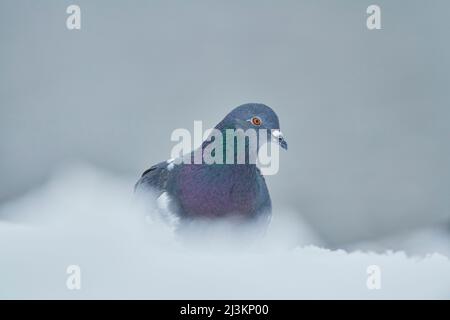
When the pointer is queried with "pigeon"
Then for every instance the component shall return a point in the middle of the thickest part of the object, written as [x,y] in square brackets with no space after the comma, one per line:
[189,192]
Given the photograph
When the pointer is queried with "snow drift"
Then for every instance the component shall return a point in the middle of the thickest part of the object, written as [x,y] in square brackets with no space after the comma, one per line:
[88,218]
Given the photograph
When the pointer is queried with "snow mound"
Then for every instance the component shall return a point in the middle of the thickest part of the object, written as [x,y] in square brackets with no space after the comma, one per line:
[88,218]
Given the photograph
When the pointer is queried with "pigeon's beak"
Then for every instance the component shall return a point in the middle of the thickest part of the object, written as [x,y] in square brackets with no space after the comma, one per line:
[277,135]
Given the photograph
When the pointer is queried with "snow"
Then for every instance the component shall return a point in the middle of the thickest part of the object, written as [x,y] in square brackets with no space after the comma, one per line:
[86,217]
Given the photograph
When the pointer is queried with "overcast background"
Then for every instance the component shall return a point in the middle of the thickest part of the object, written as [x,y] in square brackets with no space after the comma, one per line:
[365,113]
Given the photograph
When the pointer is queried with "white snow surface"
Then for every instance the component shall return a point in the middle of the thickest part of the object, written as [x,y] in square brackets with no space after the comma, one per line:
[87,217]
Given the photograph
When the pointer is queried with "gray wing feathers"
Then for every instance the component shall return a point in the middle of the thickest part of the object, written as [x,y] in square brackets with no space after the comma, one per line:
[155,178]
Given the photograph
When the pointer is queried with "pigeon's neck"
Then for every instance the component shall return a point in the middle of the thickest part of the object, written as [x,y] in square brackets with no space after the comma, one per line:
[234,150]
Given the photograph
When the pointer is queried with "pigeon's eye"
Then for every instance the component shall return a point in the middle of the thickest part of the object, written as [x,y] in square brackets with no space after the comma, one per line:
[256,121]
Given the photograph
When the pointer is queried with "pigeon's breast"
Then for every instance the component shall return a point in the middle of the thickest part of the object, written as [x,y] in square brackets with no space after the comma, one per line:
[217,191]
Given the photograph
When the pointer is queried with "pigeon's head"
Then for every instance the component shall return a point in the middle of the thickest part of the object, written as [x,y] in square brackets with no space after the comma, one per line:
[254,116]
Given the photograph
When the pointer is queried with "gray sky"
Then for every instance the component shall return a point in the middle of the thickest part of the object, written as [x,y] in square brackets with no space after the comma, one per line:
[365,112]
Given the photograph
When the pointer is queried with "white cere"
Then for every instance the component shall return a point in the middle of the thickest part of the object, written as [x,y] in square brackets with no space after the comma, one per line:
[276,133]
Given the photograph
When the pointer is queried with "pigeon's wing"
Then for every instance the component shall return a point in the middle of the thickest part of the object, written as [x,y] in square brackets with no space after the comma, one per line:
[155,178]
[154,190]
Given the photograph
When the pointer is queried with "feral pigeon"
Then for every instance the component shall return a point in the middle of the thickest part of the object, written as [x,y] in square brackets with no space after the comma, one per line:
[187,192]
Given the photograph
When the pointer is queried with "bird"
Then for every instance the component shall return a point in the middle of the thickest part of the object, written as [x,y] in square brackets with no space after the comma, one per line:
[189,192]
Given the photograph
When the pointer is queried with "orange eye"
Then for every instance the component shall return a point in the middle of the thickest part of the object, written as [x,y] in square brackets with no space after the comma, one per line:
[256,121]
